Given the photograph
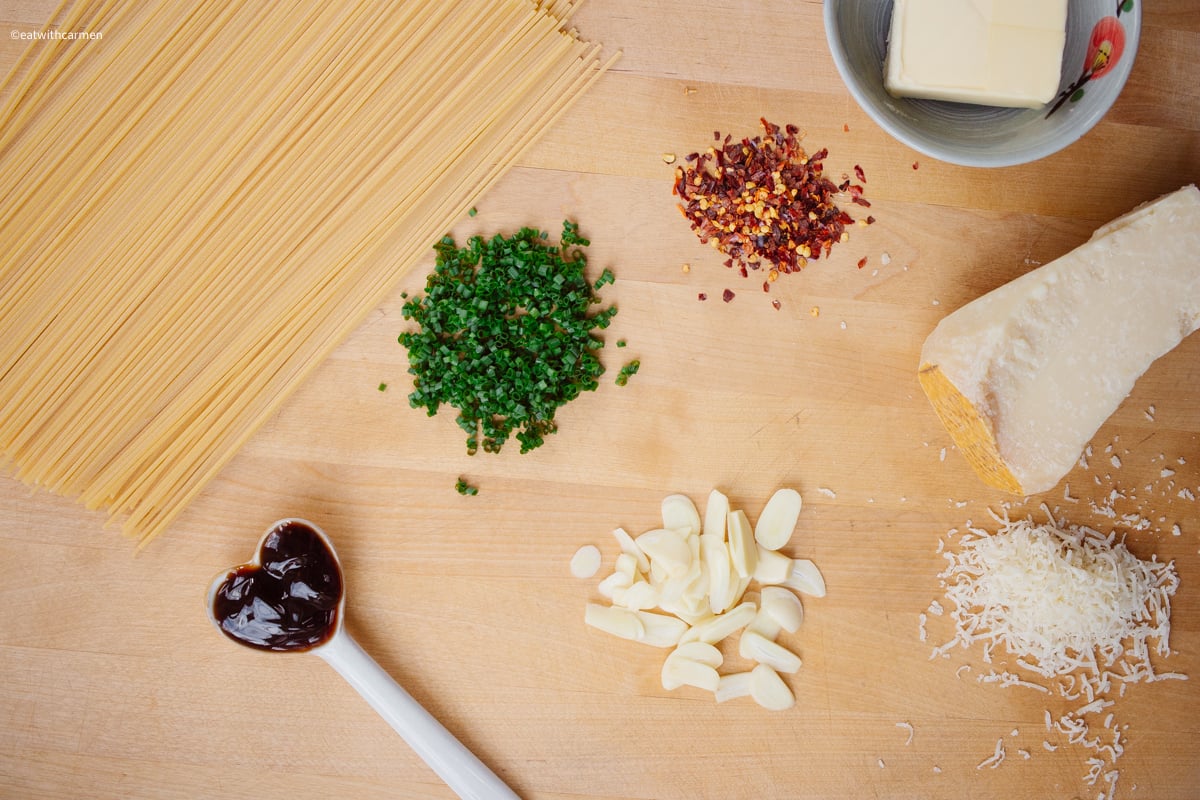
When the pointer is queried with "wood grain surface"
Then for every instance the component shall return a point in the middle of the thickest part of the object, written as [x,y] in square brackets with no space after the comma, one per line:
[113,684]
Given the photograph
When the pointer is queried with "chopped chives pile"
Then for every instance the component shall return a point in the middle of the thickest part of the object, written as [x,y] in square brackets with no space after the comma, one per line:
[506,334]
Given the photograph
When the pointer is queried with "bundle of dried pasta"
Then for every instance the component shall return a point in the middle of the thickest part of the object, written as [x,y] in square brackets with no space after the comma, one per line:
[201,203]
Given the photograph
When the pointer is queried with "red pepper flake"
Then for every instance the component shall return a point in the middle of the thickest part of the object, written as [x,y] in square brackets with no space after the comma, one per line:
[727,295]
[845,128]
[766,286]
[916,165]
[776,304]
[862,262]
[858,173]
[763,202]
[702,296]
[861,201]
[870,220]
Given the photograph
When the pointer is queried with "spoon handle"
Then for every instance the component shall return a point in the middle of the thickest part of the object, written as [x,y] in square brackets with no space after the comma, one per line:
[450,759]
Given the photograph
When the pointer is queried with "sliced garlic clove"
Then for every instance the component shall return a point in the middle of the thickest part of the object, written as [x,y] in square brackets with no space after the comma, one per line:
[806,578]
[637,597]
[732,686]
[657,573]
[772,567]
[722,625]
[667,548]
[627,565]
[618,580]
[693,540]
[742,550]
[700,652]
[678,671]
[757,647]
[695,590]
[678,511]
[738,591]
[692,634]
[778,519]
[660,630]
[783,606]
[769,690]
[586,561]
[628,545]
[764,625]
[617,621]
[716,512]
[716,558]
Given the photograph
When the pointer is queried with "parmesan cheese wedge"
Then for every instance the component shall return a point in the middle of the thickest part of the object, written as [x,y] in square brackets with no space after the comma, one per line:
[1025,375]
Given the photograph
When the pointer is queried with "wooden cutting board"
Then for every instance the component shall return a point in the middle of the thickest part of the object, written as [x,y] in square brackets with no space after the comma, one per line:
[115,685]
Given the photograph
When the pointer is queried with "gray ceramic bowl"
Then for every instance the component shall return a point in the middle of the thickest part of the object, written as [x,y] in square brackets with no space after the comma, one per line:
[985,136]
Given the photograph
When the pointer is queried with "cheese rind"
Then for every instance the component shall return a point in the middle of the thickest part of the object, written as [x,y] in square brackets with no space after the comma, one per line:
[1025,375]
[989,52]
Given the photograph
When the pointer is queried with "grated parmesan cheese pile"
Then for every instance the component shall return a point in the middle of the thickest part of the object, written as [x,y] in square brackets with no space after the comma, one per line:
[1059,598]
[1070,605]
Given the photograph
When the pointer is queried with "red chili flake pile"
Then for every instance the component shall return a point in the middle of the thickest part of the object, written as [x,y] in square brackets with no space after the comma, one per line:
[764,202]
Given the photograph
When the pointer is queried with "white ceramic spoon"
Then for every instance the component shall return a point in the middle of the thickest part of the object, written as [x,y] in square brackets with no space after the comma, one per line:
[449,758]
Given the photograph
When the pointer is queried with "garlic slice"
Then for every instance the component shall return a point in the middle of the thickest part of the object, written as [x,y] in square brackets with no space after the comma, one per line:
[628,545]
[610,585]
[666,548]
[764,625]
[679,512]
[692,634]
[758,648]
[733,685]
[638,596]
[806,578]
[720,572]
[617,621]
[769,690]
[742,550]
[586,561]
[701,652]
[783,606]
[773,566]
[778,519]
[660,630]
[717,628]
[716,511]
[679,671]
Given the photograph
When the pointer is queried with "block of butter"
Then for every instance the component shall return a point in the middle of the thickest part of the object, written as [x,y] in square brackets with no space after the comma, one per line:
[987,52]
[1025,375]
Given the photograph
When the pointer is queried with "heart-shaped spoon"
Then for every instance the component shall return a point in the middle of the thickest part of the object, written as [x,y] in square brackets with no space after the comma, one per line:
[291,598]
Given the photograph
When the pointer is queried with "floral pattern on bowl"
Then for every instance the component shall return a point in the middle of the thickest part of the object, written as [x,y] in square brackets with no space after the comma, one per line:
[1104,51]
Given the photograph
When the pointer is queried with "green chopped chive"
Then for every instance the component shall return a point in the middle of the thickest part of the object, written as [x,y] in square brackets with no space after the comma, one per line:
[464,488]
[472,212]
[506,334]
[383,387]
[620,342]
[605,277]
[629,369]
